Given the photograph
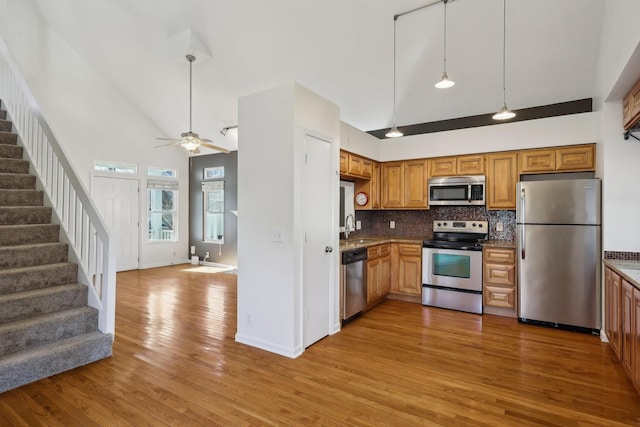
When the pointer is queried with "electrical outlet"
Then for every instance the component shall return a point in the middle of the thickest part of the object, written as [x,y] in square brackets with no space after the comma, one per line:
[392,224]
[499,226]
[358,225]
[277,234]
[193,250]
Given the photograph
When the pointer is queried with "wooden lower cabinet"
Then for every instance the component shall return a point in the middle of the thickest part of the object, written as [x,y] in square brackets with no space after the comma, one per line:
[499,281]
[378,273]
[612,312]
[407,275]
[622,322]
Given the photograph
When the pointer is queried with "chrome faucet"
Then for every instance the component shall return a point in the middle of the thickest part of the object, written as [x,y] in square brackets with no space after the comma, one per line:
[348,229]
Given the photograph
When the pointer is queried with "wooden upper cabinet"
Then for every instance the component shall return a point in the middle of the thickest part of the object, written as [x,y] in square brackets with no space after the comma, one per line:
[460,165]
[415,184]
[535,161]
[626,113]
[443,166]
[343,162]
[576,158]
[631,107]
[392,174]
[502,175]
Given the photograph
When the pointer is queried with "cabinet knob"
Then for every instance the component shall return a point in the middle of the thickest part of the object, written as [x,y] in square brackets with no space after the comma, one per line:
[328,249]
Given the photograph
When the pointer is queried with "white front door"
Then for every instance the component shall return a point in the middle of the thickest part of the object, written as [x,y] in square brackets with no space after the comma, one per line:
[317,200]
[118,200]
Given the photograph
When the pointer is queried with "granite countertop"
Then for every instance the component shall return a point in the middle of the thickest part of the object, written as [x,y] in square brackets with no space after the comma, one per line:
[629,270]
[507,244]
[365,242]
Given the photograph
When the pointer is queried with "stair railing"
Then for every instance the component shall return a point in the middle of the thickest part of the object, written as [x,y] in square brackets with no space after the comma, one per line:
[84,230]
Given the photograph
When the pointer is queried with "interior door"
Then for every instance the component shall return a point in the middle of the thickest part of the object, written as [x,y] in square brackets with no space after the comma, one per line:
[318,213]
[118,200]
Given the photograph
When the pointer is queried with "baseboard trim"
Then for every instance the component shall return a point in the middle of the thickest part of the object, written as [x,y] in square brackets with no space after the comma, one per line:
[290,352]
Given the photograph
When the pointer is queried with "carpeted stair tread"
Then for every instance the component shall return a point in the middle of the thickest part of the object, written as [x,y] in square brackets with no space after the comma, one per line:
[17,215]
[31,365]
[8,151]
[5,125]
[8,138]
[24,234]
[20,305]
[37,277]
[29,255]
[36,331]
[21,197]
[14,166]
[17,181]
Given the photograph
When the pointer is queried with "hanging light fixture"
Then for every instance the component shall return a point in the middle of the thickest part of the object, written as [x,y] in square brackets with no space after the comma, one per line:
[504,113]
[394,132]
[445,82]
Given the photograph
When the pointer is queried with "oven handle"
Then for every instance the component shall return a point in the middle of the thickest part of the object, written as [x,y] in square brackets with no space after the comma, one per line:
[469,194]
[522,219]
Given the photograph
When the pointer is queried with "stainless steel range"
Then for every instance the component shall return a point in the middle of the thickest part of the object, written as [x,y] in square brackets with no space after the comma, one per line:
[452,265]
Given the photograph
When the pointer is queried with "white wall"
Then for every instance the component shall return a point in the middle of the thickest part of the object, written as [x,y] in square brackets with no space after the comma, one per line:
[91,120]
[618,70]
[271,131]
[357,141]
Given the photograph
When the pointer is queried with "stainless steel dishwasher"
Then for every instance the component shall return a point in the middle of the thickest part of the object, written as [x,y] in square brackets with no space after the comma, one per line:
[354,282]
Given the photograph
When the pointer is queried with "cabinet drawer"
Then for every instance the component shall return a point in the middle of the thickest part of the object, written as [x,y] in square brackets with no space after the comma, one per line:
[500,274]
[409,249]
[499,296]
[507,256]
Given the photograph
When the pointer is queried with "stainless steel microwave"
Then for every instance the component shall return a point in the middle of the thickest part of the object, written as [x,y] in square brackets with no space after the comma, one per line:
[457,191]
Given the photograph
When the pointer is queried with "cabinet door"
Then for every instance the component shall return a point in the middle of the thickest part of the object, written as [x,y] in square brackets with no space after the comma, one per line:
[627,307]
[535,161]
[442,166]
[343,162]
[354,166]
[392,185]
[634,101]
[500,296]
[635,345]
[415,184]
[470,165]
[373,280]
[385,275]
[626,112]
[374,196]
[410,269]
[502,175]
[612,308]
[575,158]
[366,168]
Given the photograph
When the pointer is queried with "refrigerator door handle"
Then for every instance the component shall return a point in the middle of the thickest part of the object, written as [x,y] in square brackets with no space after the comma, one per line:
[522,219]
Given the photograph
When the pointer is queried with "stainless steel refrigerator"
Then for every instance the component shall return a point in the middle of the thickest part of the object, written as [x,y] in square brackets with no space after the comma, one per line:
[559,253]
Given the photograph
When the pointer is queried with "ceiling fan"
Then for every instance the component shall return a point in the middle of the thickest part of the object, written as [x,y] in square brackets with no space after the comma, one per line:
[191,141]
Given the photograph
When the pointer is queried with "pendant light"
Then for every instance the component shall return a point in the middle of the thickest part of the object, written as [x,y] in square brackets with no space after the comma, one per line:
[504,113]
[445,82]
[394,132]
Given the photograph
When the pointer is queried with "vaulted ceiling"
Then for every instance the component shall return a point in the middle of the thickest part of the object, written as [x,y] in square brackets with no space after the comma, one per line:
[340,49]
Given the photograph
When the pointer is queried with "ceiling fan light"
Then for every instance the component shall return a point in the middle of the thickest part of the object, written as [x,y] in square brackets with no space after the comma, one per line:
[503,113]
[189,143]
[444,82]
[394,132]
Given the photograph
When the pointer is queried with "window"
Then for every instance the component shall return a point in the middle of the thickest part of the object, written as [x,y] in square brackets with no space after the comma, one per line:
[216,172]
[116,167]
[163,172]
[163,210]
[213,193]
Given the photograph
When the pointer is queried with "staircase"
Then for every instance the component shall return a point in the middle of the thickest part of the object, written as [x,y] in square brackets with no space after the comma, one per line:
[46,326]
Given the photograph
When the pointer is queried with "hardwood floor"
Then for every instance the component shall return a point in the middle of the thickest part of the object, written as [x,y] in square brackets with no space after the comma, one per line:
[175,362]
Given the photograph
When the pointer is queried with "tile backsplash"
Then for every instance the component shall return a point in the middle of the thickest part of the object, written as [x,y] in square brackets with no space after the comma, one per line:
[419,224]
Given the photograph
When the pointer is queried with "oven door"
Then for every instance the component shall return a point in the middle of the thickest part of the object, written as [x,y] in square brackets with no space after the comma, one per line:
[452,268]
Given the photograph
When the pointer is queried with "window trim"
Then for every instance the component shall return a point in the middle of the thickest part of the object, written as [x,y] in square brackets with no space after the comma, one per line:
[163,185]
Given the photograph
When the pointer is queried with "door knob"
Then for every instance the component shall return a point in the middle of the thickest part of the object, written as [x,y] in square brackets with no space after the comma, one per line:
[328,249]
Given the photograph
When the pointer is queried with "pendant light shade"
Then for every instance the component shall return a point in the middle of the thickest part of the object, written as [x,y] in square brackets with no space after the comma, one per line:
[394,132]
[504,113]
[445,82]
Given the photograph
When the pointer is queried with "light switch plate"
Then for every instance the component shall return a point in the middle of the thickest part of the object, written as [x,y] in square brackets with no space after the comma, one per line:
[277,234]
[358,225]
[392,224]
[499,226]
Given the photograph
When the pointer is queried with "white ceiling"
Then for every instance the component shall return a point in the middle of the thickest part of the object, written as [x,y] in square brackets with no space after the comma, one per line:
[340,49]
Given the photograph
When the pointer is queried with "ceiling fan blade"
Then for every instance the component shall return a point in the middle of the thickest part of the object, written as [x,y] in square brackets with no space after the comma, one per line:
[168,139]
[205,140]
[214,147]
[195,150]
[167,145]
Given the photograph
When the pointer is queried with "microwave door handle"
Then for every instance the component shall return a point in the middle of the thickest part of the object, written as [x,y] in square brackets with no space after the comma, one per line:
[469,193]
